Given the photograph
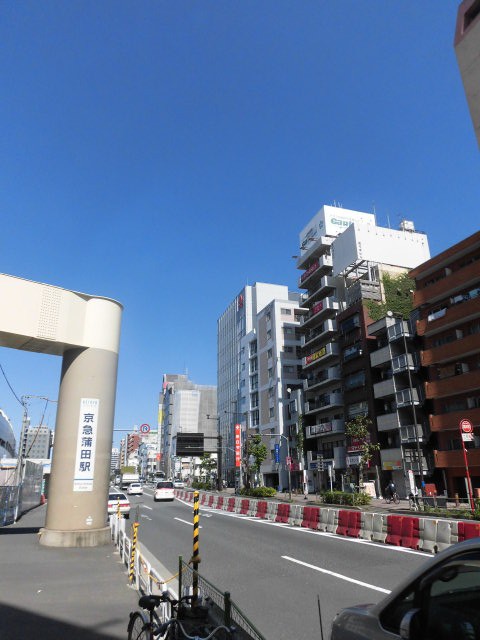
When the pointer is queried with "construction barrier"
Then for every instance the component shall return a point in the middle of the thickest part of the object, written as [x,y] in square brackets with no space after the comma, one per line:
[261,509]
[296,515]
[366,526]
[244,507]
[283,513]
[272,511]
[311,518]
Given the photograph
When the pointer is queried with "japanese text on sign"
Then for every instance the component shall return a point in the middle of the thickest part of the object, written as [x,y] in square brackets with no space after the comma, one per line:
[86,443]
[238,444]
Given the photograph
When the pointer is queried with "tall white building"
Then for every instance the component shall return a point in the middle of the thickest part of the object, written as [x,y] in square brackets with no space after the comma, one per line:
[257,355]
[186,407]
[7,437]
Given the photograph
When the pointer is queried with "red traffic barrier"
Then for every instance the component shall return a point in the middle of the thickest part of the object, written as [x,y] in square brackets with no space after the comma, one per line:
[354,524]
[283,513]
[342,527]
[394,530]
[244,506]
[311,517]
[261,509]
[220,502]
[410,532]
[467,530]
[231,504]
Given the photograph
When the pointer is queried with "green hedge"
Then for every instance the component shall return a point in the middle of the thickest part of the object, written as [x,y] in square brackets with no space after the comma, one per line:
[206,486]
[342,497]
[259,492]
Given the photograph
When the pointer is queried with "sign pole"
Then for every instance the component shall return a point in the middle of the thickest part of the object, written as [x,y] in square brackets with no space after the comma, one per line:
[466,435]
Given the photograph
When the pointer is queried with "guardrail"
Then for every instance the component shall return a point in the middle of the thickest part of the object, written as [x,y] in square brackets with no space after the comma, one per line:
[148,579]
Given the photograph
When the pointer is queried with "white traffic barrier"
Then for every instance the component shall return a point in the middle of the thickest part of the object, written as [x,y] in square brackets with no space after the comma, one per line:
[272,511]
[366,526]
[296,515]
[323,522]
[428,534]
[379,527]
[252,510]
[445,534]
[332,523]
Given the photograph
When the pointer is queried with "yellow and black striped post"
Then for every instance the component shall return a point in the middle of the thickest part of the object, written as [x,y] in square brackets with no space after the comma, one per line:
[132,552]
[195,556]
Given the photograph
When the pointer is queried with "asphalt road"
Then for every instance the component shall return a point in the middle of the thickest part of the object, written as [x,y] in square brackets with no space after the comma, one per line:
[275,572]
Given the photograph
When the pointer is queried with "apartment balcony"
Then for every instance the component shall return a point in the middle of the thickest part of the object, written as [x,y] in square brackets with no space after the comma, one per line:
[449,421]
[451,317]
[451,459]
[381,356]
[315,256]
[321,356]
[326,377]
[324,403]
[325,428]
[455,350]
[407,398]
[449,285]
[454,385]
[384,389]
[323,288]
[327,330]
[408,435]
[403,362]
[363,290]
[398,331]
[388,422]
[326,308]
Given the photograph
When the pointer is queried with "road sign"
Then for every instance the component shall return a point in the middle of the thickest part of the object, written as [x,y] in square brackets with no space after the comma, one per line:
[144,428]
[466,426]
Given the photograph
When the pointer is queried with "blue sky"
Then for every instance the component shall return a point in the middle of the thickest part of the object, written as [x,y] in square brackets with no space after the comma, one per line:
[165,154]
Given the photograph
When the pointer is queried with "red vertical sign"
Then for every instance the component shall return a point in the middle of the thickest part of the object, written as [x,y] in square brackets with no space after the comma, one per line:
[238,444]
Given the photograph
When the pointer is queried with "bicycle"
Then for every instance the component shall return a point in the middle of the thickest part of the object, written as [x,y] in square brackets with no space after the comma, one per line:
[392,498]
[148,627]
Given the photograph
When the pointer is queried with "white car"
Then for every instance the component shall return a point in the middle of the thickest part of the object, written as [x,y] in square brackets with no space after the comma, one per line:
[135,488]
[178,484]
[164,490]
[116,500]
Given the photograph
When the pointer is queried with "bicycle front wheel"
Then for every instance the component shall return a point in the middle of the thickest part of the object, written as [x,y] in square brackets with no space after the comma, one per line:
[139,627]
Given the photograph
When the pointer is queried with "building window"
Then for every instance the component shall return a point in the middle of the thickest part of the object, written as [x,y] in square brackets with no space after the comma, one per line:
[269,353]
[288,369]
[269,334]
[286,312]
[271,412]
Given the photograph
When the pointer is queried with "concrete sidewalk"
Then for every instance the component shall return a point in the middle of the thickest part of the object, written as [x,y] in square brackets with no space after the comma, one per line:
[51,593]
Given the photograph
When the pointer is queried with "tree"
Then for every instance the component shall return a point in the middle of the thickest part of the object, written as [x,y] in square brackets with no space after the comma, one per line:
[258,450]
[207,465]
[358,430]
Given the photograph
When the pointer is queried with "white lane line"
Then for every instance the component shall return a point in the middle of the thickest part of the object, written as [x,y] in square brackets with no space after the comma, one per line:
[144,516]
[186,522]
[337,575]
[145,506]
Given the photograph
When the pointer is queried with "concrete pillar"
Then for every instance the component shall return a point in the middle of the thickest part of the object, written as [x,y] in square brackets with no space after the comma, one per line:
[77,506]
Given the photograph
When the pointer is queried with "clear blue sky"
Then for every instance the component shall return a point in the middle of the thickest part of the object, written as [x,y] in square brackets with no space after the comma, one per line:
[165,154]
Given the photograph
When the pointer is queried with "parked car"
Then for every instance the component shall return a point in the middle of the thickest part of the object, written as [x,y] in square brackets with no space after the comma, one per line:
[113,499]
[439,602]
[164,490]
[178,484]
[135,488]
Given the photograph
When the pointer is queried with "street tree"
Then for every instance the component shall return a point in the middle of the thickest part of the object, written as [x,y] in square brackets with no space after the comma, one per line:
[358,429]
[207,466]
[258,451]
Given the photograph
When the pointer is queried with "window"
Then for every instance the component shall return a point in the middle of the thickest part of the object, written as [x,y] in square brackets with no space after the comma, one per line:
[288,331]
[288,349]
[271,412]
[255,418]
[269,334]
[355,380]
[288,369]
[269,353]
[286,312]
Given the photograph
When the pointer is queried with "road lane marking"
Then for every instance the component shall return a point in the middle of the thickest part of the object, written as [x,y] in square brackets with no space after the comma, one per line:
[145,506]
[142,515]
[337,575]
[185,522]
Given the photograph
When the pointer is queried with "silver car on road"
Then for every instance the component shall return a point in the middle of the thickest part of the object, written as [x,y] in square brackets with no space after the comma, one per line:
[440,601]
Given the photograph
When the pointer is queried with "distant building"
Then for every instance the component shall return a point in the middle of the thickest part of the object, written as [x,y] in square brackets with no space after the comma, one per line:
[115,459]
[186,407]
[36,442]
[7,437]
[467,49]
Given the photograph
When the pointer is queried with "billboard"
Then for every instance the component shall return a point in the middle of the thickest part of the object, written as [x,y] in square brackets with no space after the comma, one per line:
[331,221]
[189,444]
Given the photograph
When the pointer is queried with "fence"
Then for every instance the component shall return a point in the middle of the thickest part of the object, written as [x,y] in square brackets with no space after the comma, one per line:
[148,579]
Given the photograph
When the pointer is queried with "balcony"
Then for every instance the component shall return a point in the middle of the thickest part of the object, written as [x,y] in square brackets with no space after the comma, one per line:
[325,428]
[381,356]
[458,313]
[325,286]
[324,403]
[384,389]
[327,330]
[326,353]
[455,350]
[455,385]
[447,286]
[363,290]
[452,459]
[403,363]
[388,422]
[326,308]
[406,398]
[316,251]
[449,421]
[408,434]
[328,376]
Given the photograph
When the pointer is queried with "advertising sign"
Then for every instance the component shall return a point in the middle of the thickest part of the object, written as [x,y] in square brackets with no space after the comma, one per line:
[315,356]
[277,453]
[86,443]
[238,444]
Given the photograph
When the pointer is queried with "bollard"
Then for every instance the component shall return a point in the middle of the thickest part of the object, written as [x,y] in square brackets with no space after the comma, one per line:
[195,558]
[132,551]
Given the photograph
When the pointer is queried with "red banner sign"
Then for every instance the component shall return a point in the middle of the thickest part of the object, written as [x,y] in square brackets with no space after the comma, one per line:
[238,444]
